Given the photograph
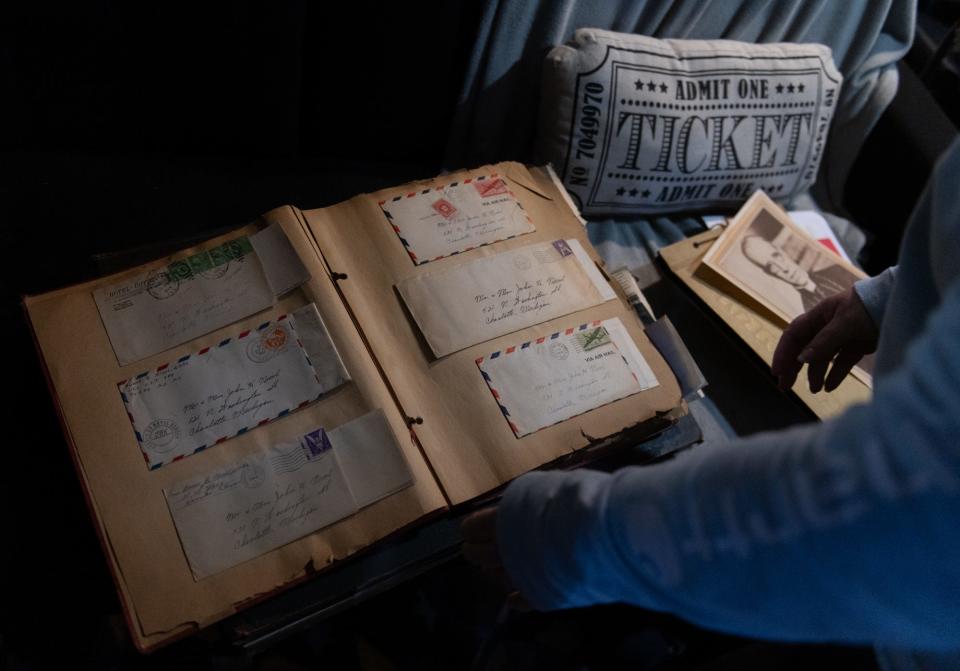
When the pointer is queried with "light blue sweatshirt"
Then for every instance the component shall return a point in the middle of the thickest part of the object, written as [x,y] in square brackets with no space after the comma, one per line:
[845,531]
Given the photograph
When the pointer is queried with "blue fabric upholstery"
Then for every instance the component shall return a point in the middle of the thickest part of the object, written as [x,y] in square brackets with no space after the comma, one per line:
[497,111]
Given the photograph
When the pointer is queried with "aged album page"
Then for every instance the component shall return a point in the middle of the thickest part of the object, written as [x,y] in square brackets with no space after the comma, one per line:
[162,597]
[466,434]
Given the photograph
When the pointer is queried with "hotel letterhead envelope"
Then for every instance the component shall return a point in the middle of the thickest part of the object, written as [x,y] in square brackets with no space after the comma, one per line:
[204,398]
[558,376]
[165,307]
[495,295]
[269,499]
[445,220]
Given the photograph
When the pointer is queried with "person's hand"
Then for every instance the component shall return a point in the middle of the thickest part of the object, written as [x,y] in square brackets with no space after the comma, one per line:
[838,329]
[480,548]
[480,544]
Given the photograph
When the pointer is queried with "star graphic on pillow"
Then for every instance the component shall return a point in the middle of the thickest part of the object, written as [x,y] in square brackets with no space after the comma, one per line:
[646,193]
[633,192]
[621,191]
[663,87]
[779,88]
[800,88]
[639,85]
[651,85]
[790,88]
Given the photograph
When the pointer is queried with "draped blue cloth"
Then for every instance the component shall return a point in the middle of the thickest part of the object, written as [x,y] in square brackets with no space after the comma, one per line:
[496,115]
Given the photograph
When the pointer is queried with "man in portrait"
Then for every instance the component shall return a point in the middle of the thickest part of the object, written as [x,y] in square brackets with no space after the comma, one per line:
[785,256]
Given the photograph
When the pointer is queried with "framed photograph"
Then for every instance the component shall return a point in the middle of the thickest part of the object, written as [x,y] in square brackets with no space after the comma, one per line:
[775,262]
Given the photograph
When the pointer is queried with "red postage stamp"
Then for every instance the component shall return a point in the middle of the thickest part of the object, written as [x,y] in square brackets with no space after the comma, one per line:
[491,187]
[445,208]
[276,339]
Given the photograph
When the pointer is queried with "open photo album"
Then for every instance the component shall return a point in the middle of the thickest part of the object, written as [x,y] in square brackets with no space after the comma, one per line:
[253,409]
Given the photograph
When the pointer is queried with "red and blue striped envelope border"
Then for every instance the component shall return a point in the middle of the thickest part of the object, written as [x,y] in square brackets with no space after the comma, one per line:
[196,355]
[538,341]
[406,245]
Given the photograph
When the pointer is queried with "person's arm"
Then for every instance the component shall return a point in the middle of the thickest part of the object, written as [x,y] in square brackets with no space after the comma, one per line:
[874,292]
[845,531]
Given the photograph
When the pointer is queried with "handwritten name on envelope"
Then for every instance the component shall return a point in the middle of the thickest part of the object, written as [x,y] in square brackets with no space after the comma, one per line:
[205,398]
[165,307]
[499,294]
[561,375]
[292,489]
[444,220]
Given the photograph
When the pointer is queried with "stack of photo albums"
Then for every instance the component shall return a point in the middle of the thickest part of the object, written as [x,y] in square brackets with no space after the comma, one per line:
[758,273]
[253,409]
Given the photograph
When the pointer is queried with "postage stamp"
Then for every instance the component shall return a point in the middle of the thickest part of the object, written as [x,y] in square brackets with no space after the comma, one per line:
[491,187]
[270,343]
[315,444]
[593,338]
[445,208]
[562,247]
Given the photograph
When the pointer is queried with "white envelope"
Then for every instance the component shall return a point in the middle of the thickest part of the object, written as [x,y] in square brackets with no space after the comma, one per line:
[160,309]
[552,378]
[204,398]
[445,220]
[292,489]
[502,293]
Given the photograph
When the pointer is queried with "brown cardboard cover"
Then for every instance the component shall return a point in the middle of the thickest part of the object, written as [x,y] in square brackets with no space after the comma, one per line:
[160,595]
[752,321]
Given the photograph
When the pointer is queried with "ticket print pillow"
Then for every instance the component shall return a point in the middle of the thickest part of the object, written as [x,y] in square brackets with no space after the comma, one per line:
[637,125]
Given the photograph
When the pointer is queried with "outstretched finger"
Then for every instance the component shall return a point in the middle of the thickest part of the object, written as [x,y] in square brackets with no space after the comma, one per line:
[795,339]
[816,371]
[826,344]
[842,365]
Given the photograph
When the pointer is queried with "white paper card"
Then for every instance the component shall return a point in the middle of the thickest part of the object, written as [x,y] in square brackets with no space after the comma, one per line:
[204,398]
[284,269]
[558,376]
[499,294]
[371,461]
[445,220]
[272,498]
[320,349]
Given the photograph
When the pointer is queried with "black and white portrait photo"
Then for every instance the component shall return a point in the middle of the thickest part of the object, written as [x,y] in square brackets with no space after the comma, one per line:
[777,263]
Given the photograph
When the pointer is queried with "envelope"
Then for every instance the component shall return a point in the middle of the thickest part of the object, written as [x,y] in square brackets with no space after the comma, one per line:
[246,381]
[156,310]
[502,293]
[294,488]
[548,380]
[453,218]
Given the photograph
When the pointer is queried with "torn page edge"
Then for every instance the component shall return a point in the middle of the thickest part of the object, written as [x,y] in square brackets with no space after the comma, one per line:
[563,194]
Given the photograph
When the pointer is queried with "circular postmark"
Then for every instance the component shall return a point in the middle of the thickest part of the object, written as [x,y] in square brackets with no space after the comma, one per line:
[522,262]
[161,285]
[271,342]
[161,435]
[559,351]
[253,474]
